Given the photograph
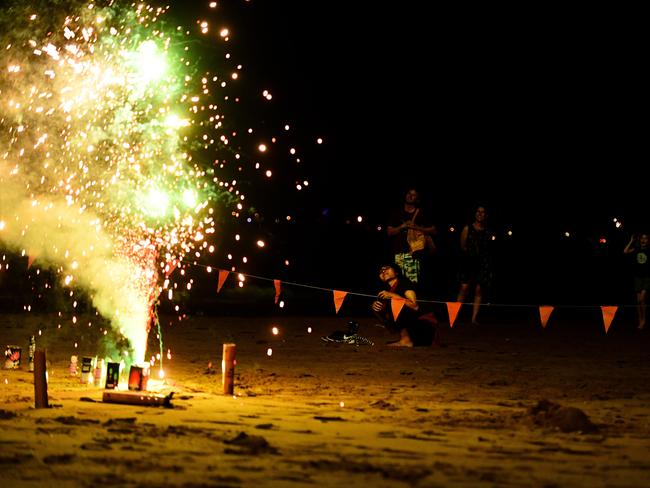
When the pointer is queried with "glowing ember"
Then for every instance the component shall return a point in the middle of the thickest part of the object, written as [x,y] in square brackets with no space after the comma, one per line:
[97,177]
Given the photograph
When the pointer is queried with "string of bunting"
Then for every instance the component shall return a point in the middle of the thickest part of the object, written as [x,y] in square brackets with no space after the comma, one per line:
[545,311]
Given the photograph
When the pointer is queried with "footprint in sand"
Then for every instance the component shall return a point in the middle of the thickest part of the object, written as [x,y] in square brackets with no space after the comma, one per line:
[249,445]
[59,459]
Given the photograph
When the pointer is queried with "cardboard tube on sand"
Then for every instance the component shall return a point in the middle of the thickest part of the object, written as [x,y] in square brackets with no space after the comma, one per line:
[228,363]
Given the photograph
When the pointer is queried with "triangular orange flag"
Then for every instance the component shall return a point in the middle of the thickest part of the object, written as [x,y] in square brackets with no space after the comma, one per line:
[339,296]
[396,305]
[223,274]
[452,310]
[278,290]
[608,316]
[30,260]
[544,314]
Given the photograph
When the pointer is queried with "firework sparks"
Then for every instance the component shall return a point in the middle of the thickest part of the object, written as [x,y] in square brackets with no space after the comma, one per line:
[96,169]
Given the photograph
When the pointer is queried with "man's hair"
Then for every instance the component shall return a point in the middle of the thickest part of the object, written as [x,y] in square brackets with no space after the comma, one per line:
[410,189]
[394,267]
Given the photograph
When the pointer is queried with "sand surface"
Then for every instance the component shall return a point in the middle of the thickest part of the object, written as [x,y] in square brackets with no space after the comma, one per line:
[500,405]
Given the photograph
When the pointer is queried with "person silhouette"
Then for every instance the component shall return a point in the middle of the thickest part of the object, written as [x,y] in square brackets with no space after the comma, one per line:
[476,260]
[415,327]
[638,247]
[409,217]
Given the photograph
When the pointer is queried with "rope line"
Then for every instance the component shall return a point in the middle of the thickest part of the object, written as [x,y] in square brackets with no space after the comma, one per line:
[421,300]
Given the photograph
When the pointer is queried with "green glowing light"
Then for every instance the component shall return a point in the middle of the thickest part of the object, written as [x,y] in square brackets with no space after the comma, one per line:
[155,203]
[174,121]
[148,62]
[190,198]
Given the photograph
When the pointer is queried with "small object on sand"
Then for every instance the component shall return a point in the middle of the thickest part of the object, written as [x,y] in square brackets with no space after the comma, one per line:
[566,419]
[250,445]
[87,369]
[12,357]
[228,363]
[40,380]
[97,372]
[138,398]
[32,349]
[138,378]
[112,375]
[73,365]
[348,337]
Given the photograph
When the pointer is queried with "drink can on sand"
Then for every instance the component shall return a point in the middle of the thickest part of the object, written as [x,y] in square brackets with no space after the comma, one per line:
[98,372]
[87,369]
[73,365]
[12,357]
[112,375]
[138,378]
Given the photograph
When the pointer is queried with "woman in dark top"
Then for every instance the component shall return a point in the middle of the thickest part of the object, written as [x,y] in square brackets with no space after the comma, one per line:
[476,260]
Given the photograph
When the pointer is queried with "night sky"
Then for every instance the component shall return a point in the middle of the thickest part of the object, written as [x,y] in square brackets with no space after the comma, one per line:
[533,113]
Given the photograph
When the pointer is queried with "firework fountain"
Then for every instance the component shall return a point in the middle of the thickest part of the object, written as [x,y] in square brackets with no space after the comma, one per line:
[97,177]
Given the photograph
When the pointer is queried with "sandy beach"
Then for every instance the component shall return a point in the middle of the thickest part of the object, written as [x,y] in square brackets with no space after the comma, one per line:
[503,404]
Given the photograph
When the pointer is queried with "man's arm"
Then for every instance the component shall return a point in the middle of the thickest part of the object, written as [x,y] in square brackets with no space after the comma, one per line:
[430,230]
[393,231]
[410,298]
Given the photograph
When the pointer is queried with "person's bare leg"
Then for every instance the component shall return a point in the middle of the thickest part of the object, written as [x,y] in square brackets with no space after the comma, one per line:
[404,340]
[641,308]
[478,295]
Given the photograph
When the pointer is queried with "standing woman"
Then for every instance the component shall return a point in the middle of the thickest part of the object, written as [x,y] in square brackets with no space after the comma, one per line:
[476,260]
[638,246]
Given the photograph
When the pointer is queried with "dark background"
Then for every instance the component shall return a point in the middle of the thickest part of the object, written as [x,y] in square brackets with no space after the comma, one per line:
[537,106]
[535,112]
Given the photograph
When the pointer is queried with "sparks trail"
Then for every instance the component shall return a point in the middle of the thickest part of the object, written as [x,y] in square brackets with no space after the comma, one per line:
[98,178]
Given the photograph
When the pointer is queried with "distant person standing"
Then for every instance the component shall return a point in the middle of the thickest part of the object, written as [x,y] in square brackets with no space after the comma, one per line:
[410,217]
[476,260]
[638,247]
